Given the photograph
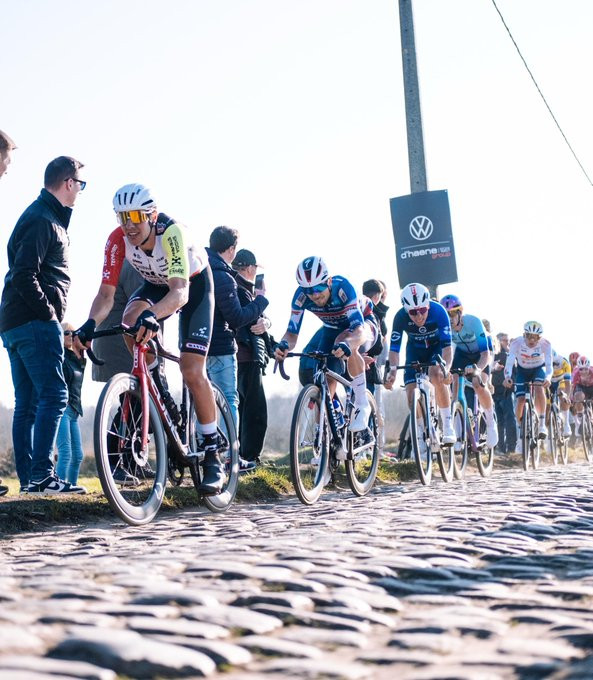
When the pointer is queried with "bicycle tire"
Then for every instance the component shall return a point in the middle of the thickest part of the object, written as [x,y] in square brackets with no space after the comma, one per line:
[554,435]
[526,435]
[420,433]
[229,455]
[309,448]
[361,471]
[563,445]
[537,442]
[446,461]
[484,453]
[117,430]
[587,434]
[460,447]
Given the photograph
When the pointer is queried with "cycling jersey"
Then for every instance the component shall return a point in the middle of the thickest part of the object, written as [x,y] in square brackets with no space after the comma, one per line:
[561,370]
[174,254]
[343,310]
[471,338]
[583,377]
[529,357]
[435,334]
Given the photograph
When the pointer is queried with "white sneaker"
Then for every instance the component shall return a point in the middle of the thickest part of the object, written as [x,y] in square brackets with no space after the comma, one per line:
[491,435]
[449,436]
[542,431]
[360,420]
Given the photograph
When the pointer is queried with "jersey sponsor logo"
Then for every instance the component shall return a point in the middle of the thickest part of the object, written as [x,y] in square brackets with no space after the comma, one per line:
[421,228]
[395,336]
[195,345]
[300,301]
[342,295]
[422,329]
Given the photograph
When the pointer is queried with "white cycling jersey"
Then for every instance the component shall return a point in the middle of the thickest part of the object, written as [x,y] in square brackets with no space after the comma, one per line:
[529,357]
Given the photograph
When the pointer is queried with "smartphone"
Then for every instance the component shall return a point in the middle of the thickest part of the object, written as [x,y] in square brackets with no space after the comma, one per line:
[259,281]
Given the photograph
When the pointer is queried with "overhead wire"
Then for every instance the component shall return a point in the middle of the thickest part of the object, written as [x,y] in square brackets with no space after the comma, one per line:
[541,93]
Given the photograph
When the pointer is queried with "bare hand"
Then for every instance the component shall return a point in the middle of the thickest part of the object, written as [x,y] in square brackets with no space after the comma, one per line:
[508,383]
[389,380]
[259,327]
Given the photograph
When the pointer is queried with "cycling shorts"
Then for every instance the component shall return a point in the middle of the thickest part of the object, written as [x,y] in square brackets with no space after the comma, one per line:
[371,335]
[586,390]
[463,359]
[537,374]
[195,317]
[423,355]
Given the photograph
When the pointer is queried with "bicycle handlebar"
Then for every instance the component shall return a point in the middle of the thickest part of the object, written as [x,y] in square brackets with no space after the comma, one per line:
[279,364]
[155,343]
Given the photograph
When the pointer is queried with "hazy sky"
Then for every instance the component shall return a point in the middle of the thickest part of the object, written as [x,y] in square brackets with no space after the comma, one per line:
[286,120]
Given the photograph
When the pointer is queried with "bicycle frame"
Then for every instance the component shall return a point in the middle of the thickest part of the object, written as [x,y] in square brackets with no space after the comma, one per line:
[471,433]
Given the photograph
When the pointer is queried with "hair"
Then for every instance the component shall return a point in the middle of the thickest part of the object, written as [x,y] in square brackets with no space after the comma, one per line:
[6,144]
[222,238]
[501,335]
[486,324]
[60,169]
[372,287]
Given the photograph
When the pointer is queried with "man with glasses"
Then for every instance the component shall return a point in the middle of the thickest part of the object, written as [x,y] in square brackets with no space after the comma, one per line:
[345,332]
[32,307]
[533,355]
[427,325]
[176,278]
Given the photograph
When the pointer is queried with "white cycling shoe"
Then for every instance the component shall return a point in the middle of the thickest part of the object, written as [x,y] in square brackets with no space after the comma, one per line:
[491,436]
[542,431]
[449,436]
[360,421]
[566,432]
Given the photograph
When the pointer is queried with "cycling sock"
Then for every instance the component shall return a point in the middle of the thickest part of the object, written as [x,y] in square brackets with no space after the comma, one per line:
[564,416]
[445,415]
[489,413]
[359,390]
[542,420]
[208,428]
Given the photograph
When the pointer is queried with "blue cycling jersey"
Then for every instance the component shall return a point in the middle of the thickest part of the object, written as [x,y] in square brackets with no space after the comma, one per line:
[472,338]
[435,334]
[342,311]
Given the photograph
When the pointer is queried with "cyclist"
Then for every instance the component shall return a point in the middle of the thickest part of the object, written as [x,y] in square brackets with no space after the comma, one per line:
[472,353]
[582,383]
[428,328]
[560,383]
[533,355]
[177,277]
[345,331]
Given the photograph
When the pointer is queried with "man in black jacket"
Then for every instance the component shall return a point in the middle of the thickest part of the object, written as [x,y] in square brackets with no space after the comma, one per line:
[503,399]
[32,307]
[253,357]
[229,316]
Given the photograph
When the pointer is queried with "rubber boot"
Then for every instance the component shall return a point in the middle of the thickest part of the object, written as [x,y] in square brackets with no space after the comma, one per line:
[212,473]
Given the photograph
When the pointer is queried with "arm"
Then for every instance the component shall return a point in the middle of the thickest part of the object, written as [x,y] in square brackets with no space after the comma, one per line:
[289,339]
[227,301]
[393,364]
[174,300]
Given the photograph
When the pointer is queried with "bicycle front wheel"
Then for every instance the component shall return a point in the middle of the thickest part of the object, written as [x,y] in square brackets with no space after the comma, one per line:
[420,433]
[554,435]
[485,453]
[460,446]
[526,435]
[133,478]
[587,434]
[361,471]
[309,445]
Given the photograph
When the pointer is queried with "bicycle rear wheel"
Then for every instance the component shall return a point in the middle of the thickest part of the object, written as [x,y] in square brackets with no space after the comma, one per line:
[420,433]
[361,471]
[309,445]
[526,435]
[484,453]
[460,446]
[554,435]
[587,434]
[228,452]
[133,479]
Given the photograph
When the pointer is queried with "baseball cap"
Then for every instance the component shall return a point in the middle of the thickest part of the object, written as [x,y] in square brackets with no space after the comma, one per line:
[244,258]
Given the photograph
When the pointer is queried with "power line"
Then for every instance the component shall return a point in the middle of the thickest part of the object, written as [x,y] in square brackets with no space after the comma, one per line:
[541,93]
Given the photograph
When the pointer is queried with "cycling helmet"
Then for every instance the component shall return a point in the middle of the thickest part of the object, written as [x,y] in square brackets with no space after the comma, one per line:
[556,358]
[583,362]
[452,303]
[533,327]
[415,295]
[572,357]
[133,197]
[312,271]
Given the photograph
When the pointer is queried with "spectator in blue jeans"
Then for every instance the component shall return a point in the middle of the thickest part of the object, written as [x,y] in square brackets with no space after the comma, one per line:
[69,442]
[32,307]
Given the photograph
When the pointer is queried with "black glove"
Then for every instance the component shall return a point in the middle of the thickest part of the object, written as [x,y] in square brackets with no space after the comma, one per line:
[282,345]
[148,320]
[344,346]
[85,332]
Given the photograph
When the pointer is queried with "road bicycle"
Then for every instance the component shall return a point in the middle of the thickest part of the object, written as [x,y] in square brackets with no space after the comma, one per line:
[470,428]
[320,431]
[558,442]
[584,429]
[138,445]
[529,429]
[425,428]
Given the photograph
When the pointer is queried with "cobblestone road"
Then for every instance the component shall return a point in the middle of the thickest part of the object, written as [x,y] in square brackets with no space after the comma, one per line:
[482,580]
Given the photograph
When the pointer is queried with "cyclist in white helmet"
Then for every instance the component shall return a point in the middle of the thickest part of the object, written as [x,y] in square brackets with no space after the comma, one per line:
[533,355]
[345,331]
[427,325]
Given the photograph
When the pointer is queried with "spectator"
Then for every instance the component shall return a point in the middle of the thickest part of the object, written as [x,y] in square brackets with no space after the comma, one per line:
[68,441]
[32,307]
[229,316]
[7,146]
[503,399]
[112,349]
[373,289]
[253,355]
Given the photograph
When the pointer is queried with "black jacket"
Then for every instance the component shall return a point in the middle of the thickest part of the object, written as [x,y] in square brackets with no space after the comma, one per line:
[228,313]
[251,347]
[73,375]
[37,282]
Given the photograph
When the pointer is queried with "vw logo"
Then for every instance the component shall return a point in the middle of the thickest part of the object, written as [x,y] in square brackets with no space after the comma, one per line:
[421,228]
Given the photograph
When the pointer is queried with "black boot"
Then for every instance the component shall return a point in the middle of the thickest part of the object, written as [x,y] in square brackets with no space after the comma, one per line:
[212,473]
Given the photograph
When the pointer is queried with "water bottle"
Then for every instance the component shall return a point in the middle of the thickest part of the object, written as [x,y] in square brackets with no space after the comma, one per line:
[339,414]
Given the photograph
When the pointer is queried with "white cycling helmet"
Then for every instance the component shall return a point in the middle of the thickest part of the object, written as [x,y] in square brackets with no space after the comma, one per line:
[133,197]
[583,362]
[533,327]
[312,271]
[415,295]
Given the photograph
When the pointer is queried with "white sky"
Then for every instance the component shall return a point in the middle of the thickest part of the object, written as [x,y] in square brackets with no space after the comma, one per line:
[286,120]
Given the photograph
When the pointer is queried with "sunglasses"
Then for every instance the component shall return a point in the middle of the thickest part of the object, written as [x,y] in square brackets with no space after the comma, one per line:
[68,332]
[453,312]
[134,216]
[419,311]
[80,181]
[531,336]
[316,289]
